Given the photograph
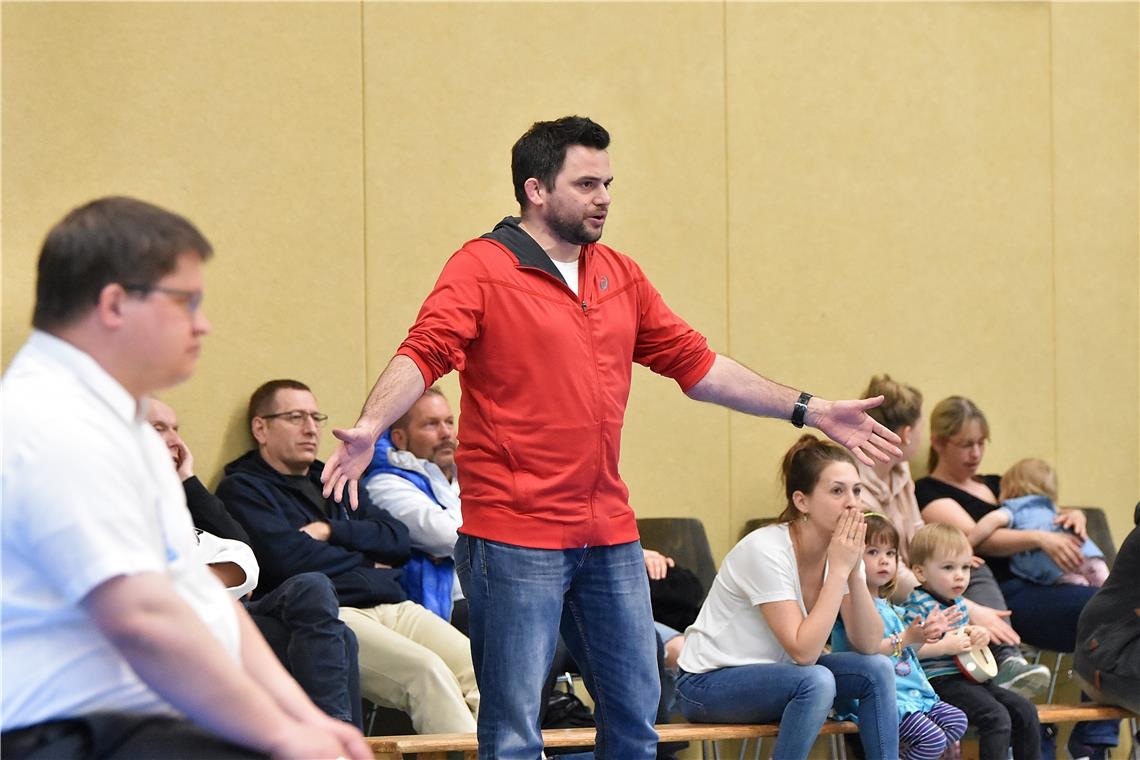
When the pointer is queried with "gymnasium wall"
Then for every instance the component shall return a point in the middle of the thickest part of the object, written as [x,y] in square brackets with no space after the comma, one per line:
[944,191]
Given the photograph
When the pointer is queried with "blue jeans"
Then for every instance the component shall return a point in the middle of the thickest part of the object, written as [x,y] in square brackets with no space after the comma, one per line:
[598,598]
[799,697]
[300,621]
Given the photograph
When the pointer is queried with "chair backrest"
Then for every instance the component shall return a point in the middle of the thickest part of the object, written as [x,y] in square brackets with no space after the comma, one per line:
[1096,523]
[683,539]
[754,523]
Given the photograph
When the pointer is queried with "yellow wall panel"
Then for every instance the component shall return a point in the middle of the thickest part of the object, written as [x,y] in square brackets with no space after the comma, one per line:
[1096,129]
[450,87]
[889,210]
[944,191]
[244,117]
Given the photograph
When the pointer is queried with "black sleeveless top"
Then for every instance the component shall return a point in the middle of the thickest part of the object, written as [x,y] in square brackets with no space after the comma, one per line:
[928,489]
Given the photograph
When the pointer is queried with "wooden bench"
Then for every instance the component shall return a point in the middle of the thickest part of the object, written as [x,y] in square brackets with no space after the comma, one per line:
[436,746]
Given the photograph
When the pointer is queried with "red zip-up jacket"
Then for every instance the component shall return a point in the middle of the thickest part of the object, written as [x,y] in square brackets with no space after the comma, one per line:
[545,379]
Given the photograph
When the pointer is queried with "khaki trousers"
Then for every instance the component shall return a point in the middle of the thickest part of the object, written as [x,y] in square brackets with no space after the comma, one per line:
[415,661]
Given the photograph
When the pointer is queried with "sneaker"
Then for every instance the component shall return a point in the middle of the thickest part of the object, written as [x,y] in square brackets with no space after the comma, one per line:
[1020,677]
[1081,751]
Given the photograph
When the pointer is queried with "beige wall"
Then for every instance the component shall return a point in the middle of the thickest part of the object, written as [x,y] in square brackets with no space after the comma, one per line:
[944,191]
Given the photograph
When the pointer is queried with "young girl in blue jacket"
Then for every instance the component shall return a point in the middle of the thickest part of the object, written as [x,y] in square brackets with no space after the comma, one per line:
[927,725]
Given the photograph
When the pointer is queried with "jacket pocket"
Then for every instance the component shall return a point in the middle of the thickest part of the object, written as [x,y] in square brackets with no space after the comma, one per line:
[522,480]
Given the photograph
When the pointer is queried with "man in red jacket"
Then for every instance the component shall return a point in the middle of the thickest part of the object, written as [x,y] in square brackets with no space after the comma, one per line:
[544,324]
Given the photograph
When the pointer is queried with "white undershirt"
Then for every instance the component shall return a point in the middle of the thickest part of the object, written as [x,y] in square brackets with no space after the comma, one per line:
[569,270]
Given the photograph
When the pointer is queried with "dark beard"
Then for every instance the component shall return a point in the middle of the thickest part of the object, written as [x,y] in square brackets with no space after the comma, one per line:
[575,233]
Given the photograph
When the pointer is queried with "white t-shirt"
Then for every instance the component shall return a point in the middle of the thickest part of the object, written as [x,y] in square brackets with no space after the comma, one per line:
[88,495]
[569,270]
[730,630]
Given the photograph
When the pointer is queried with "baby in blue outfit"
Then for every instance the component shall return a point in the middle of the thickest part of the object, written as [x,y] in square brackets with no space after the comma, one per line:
[1028,502]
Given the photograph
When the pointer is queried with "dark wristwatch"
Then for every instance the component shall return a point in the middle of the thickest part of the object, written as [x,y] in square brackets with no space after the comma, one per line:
[800,409]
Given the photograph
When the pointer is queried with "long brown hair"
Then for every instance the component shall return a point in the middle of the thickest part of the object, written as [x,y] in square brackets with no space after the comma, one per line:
[902,403]
[802,465]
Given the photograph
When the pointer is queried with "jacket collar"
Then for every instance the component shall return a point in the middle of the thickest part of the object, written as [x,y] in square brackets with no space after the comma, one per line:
[252,463]
[522,246]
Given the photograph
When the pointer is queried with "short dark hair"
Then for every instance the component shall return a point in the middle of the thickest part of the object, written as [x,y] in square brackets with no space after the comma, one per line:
[262,399]
[541,152]
[114,239]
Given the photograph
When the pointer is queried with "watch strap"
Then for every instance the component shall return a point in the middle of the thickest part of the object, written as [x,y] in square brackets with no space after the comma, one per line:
[800,409]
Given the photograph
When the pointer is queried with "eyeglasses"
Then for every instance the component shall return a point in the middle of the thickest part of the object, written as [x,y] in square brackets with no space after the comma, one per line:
[190,299]
[297,417]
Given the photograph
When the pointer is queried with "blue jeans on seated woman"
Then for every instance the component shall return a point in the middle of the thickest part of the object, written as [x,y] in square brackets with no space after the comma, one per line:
[799,697]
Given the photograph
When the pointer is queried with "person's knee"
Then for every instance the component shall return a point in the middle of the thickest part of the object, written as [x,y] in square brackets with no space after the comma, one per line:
[881,673]
[817,685]
[933,744]
[312,596]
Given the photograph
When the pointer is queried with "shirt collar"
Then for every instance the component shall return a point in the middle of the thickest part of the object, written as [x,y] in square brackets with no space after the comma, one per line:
[90,373]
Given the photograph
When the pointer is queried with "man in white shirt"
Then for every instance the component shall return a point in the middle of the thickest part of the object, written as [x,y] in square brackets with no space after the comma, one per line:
[116,642]
[422,442]
[413,478]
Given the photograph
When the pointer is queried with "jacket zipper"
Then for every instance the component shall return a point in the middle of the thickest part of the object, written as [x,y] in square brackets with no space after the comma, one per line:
[584,278]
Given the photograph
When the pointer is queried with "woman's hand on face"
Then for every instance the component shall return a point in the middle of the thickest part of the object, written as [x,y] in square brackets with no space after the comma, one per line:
[1062,548]
[1073,520]
[845,552]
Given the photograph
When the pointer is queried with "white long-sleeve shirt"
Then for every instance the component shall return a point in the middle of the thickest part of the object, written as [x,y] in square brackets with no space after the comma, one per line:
[431,529]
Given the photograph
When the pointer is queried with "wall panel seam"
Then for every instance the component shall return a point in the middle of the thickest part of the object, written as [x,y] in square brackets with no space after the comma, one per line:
[730,445]
[1053,242]
[364,196]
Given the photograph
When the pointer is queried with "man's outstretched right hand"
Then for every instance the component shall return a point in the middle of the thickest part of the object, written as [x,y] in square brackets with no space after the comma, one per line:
[348,463]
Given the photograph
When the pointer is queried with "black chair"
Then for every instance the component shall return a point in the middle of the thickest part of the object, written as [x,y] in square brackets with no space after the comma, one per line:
[683,539]
[1096,523]
[754,523]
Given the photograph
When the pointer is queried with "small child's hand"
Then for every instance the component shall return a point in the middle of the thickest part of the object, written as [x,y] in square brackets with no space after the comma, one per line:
[915,633]
[979,637]
[957,641]
[939,621]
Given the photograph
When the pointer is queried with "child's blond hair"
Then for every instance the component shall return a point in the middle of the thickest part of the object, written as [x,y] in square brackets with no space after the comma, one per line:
[937,540]
[1029,477]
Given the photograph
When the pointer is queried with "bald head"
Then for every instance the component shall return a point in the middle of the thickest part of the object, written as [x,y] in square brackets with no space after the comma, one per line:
[165,422]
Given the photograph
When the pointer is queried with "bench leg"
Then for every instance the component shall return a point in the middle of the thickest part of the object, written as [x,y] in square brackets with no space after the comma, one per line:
[744,748]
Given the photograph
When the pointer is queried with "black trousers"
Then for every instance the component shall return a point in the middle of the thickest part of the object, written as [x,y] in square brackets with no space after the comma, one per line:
[1003,719]
[118,736]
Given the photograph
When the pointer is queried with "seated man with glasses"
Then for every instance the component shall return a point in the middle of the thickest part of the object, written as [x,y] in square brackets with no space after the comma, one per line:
[298,618]
[410,658]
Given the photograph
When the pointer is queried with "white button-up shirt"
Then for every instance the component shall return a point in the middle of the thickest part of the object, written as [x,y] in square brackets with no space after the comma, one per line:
[89,494]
